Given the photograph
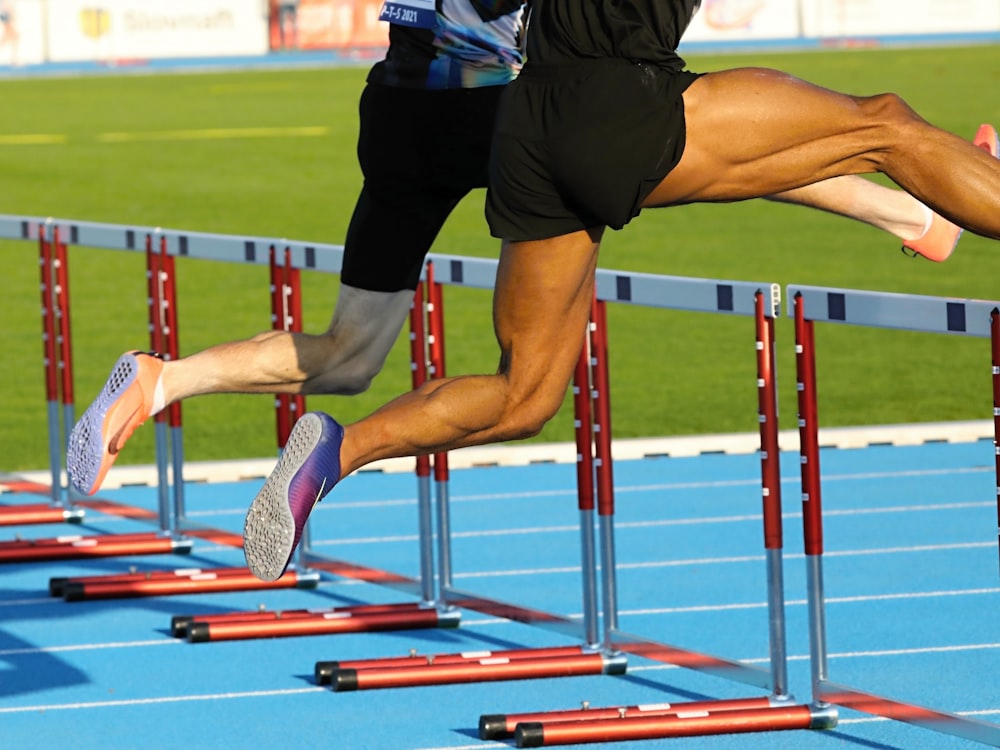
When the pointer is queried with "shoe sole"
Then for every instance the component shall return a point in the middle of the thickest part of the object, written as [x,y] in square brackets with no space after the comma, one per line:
[299,480]
[87,442]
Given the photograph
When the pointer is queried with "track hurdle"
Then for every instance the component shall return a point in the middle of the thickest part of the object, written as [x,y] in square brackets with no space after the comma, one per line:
[808,305]
[59,384]
[52,263]
[355,619]
[777,711]
[164,335]
[588,658]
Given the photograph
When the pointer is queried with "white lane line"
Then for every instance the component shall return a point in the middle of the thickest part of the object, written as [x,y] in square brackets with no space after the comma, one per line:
[155,701]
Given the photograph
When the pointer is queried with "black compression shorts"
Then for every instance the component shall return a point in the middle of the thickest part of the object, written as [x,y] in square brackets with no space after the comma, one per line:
[421,152]
[581,145]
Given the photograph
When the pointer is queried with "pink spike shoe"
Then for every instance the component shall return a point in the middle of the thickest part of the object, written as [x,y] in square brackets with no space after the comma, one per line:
[126,401]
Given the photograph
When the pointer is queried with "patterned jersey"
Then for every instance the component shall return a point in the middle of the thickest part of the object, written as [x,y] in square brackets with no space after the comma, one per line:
[472,43]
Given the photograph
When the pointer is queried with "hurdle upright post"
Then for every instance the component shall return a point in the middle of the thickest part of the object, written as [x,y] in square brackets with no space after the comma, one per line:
[425,512]
[601,395]
[435,346]
[156,275]
[767,399]
[995,348]
[50,362]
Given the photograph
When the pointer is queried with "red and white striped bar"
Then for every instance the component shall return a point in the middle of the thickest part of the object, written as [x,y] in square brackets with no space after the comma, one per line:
[29,514]
[325,669]
[346,620]
[79,547]
[496,667]
[169,583]
[179,623]
[688,724]
[503,726]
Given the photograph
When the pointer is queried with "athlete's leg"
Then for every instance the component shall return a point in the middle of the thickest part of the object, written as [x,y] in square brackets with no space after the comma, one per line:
[757,132]
[541,307]
[893,211]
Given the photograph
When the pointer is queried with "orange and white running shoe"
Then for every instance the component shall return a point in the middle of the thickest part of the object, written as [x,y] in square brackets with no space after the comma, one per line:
[127,400]
[941,237]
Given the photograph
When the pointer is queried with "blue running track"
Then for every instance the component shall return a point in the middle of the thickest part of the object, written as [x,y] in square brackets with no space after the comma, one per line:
[912,583]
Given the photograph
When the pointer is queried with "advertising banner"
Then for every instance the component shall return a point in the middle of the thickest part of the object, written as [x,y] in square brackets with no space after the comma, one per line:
[327,24]
[123,30]
[847,18]
[732,20]
[22,41]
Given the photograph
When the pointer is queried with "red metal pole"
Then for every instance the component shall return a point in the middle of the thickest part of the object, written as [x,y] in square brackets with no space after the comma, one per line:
[172,332]
[768,418]
[500,726]
[281,400]
[61,299]
[657,727]
[602,412]
[293,306]
[805,364]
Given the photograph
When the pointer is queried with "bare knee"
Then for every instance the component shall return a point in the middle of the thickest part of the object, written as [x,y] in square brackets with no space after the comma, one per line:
[342,371]
[894,123]
[525,418]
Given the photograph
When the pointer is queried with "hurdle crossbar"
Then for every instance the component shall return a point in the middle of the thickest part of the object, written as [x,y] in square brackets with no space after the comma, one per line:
[808,305]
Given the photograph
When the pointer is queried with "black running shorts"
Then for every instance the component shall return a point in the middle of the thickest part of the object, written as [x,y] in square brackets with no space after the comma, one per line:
[581,145]
[421,152]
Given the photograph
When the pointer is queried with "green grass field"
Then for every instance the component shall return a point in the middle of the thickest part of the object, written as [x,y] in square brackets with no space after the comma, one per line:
[272,154]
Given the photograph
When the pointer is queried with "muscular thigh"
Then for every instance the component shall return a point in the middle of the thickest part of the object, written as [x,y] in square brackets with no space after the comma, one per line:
[753,132]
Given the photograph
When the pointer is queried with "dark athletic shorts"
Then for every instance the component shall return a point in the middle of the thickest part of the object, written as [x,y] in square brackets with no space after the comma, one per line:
[581,145]
[421,152]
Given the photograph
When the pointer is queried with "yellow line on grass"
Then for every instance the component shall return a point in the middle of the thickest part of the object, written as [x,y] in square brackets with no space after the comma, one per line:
[32,139]
[311,131]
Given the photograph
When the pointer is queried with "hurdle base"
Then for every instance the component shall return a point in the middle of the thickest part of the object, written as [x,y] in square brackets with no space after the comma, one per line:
[39,513]
[496,668]
[687,724]
[305,622]
[325,670]
[504,726]
[169,583]
[81,547]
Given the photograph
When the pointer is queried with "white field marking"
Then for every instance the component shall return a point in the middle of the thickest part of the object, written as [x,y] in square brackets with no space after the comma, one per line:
[31,602]
[215,134]
[804,602]
[872,719]
[33,139]
[87,647]
[154,701]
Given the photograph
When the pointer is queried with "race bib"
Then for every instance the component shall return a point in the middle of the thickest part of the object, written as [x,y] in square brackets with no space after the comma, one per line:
[418,13]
